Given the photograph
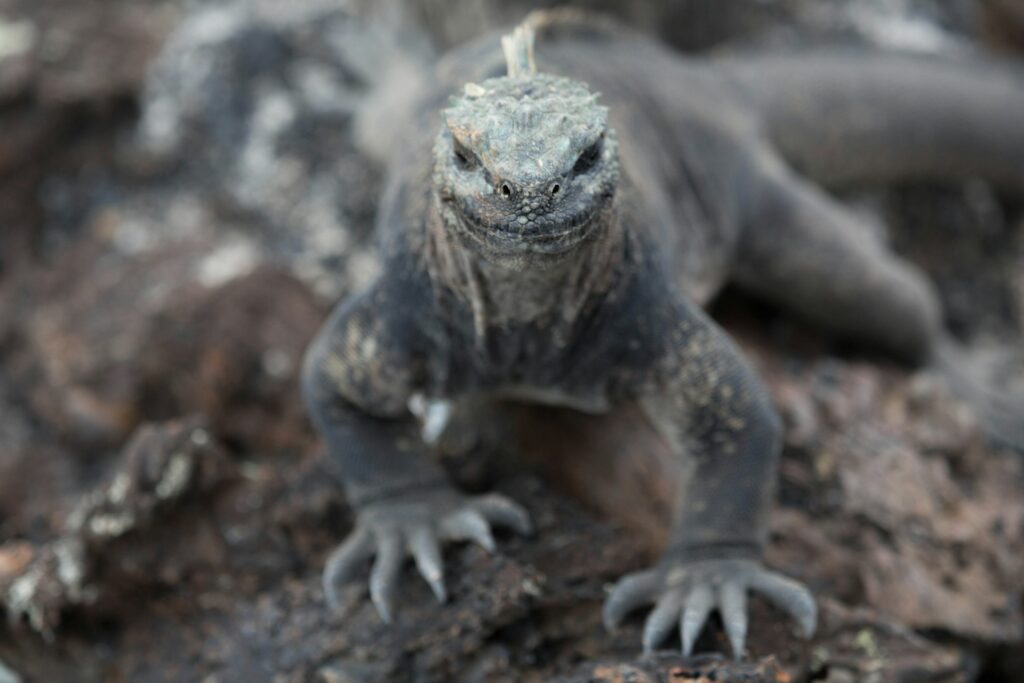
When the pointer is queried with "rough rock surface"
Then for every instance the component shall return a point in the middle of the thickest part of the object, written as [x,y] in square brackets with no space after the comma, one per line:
[103,548]
[67,71]
[254,103]
[165,511]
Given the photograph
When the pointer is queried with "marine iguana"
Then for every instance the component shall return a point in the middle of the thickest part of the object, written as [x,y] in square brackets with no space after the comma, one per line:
[546,245]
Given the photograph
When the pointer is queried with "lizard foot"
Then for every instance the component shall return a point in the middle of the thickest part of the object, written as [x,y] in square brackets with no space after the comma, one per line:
[415,527]
[685,593]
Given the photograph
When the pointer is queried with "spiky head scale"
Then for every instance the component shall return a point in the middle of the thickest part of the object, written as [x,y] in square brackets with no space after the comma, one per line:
[526,129]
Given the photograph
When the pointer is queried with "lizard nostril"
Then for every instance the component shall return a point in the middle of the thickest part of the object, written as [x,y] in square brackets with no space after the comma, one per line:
[506,190]
[555,189]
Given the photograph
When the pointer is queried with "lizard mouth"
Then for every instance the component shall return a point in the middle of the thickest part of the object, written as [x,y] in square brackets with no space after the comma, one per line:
[550,233]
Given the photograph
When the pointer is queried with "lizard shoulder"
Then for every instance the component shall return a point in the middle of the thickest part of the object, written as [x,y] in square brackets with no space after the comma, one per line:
[371,350]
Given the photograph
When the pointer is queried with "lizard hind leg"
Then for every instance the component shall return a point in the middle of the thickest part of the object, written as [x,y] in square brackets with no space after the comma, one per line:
[805,252]
[802,250]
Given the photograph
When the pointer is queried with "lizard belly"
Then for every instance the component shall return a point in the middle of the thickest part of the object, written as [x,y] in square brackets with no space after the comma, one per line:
[552,396]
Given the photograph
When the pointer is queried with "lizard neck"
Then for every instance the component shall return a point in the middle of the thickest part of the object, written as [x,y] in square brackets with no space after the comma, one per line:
[542,291]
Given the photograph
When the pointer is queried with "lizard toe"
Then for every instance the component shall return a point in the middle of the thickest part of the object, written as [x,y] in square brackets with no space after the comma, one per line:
[344,563]
[425,549]
[467,524]
[661,620]
[386,570]
[732,604]
[630,593]
[503,512]
[790,596]
[699,604]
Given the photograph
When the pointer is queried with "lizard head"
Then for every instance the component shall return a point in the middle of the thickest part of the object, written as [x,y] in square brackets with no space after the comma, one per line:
[525,165]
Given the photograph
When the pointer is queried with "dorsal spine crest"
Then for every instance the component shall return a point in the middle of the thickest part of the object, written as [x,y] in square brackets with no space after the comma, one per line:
[518,49]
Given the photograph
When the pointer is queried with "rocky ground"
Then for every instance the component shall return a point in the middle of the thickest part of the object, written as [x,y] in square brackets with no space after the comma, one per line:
[182,200]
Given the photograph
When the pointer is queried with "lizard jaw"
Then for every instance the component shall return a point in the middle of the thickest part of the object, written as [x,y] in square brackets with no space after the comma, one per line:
[542,235]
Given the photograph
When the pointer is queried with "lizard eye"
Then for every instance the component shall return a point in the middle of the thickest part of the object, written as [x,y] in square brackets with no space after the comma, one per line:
[588,159]
[464,158]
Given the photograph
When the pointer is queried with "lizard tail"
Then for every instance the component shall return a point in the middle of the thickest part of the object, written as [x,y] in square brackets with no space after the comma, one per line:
[1001,414]
[855,118]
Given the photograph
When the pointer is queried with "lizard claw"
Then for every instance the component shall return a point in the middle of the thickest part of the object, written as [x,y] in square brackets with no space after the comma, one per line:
[425,548]
[503,512]
[685,593]
[631,592]
[415,528]
[344,562]
[384,577]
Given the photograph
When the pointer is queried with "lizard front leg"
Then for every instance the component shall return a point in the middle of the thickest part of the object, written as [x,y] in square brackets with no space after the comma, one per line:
[717,418]
[357,380]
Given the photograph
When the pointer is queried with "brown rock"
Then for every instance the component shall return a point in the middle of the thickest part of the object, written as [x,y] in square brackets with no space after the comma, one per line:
[108,338]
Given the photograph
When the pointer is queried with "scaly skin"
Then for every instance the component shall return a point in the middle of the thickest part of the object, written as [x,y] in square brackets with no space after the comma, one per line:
[542,246]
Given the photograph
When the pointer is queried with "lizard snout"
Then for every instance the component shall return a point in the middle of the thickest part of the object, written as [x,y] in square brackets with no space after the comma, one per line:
[533,197]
